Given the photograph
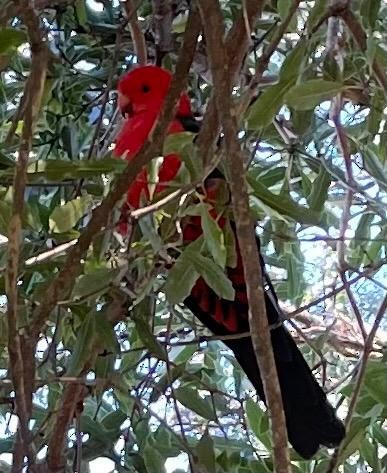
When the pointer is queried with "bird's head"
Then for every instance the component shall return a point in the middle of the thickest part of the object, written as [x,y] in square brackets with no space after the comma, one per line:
[144,89]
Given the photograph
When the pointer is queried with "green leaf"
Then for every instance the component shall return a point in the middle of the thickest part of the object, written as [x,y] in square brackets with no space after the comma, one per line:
[374,167]
[10,39]
[283,7]
[309,94]
[181,278]
[92,283]
[206,454]
[290,69]
[149,340]
[81,350]
[319,191]
[359,243]
[64,217]
[264,109]
[213,237]
[59,170]
[154,462]
[190,398]
[6,162]
[230,243]
[315,14]
[353,438]
[5,217]
[258,422]
[294,280]
[106,333]
[369,13]
[285,205]
[182,144]
[80,8]
[213,275]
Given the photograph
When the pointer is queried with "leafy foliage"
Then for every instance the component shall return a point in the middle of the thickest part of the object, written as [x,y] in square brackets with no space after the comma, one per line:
[156,388]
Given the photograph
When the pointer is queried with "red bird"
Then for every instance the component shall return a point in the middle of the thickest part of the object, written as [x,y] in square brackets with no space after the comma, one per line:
[311,420]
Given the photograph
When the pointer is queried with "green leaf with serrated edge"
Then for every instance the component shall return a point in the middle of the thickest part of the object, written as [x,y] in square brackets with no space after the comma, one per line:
[190,398]
[319,191]
[213,237]
[255,418]
[10,39]
[64,217]
[82,345]
[309,94]
[284,205]
[213,275]
[205,453]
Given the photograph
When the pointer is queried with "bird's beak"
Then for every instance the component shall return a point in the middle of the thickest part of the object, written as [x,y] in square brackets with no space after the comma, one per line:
[125,105]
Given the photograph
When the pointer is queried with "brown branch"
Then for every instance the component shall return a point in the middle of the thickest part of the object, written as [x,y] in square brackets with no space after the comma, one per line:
[360,37]
[20,346]
[259,327]
[63,282]
[73,394]
[334,463]
[237,42]
[265,57]
[136,32]
[162,19]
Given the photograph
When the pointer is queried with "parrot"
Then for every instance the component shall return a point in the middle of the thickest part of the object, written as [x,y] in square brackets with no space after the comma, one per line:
[311,420]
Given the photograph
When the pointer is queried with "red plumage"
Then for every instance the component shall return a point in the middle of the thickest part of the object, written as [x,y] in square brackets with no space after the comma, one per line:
[311,420]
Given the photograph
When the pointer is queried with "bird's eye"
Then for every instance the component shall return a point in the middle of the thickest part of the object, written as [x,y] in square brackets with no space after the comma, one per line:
[145,88]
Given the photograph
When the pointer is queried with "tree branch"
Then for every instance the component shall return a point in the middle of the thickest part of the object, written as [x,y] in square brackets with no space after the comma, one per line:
[19,345]
[360,37]
[259,327]
[136,32]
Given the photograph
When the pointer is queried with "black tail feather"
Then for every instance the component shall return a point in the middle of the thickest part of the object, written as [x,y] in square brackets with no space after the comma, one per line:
[311,420]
